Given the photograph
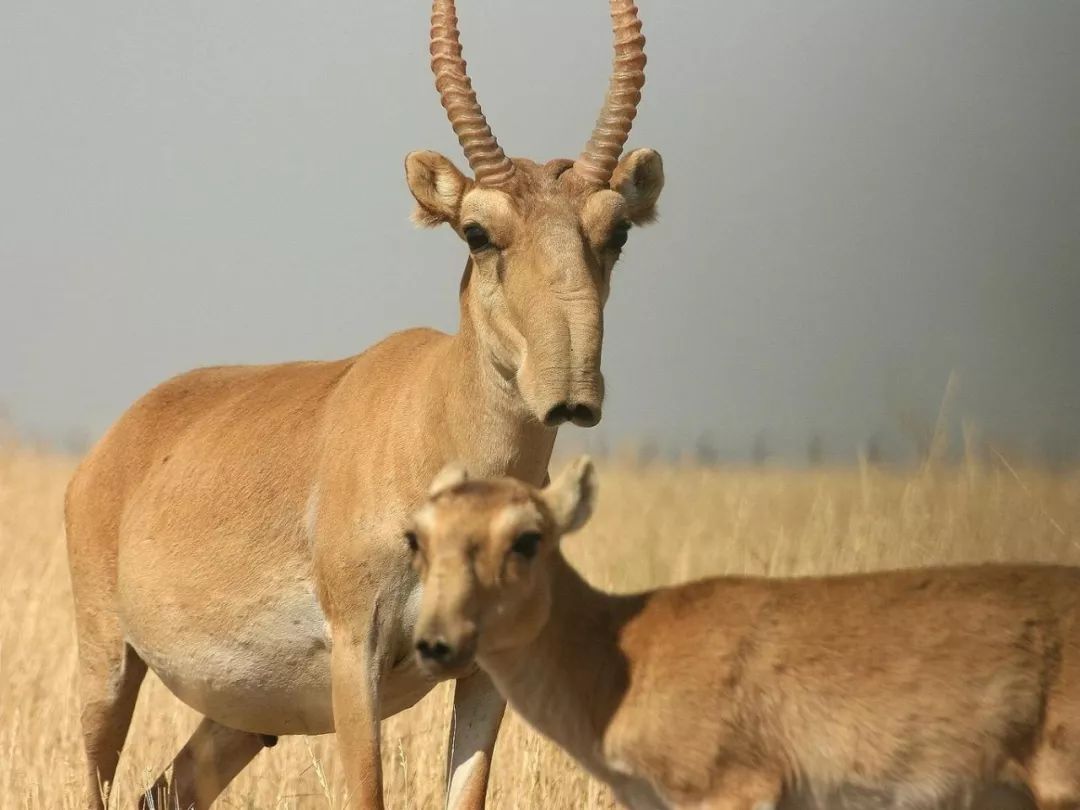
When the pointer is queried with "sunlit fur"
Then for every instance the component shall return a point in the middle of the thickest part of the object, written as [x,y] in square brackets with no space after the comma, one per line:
[902,689]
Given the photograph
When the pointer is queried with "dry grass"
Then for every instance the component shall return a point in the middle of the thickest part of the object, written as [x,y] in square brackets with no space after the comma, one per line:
[654,526]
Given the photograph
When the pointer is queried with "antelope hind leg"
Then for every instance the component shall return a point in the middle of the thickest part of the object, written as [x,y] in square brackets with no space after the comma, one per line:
[110,674]
[211,759]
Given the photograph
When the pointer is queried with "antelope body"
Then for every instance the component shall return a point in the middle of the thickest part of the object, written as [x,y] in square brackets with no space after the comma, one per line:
[903,689]
[237,530]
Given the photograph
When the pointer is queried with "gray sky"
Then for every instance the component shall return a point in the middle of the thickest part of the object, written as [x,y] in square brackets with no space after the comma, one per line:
[861,197]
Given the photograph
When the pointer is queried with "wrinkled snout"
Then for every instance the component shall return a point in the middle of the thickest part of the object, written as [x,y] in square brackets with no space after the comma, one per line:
[561,377]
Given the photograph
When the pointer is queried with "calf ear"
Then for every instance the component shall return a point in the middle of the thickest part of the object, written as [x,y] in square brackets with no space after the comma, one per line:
[639,178]
[448,477]
[571,496]
[437,186]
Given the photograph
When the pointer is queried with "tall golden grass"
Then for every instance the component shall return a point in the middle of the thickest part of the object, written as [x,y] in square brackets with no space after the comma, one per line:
[654,526]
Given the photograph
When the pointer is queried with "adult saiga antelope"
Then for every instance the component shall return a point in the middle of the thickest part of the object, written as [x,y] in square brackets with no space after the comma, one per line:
[903,689]
[238,529]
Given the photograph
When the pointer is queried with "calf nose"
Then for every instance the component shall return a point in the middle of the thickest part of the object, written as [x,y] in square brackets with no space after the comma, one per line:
[434,650]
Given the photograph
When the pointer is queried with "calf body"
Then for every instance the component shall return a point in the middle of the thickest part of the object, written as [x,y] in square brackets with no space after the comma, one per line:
[905,689]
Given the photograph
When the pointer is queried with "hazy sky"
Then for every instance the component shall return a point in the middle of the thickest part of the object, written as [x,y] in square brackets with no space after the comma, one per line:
[861,197]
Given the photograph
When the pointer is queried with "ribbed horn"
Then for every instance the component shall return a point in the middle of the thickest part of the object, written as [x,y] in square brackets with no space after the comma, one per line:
[601,154]
[488,161]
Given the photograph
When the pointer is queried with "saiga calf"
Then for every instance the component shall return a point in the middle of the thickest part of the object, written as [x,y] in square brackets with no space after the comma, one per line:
[901,689]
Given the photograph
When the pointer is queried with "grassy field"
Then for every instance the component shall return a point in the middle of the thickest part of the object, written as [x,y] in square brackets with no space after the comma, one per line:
[654,526]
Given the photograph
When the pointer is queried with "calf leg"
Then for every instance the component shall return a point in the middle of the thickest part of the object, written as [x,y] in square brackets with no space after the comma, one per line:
[478,711]
[1054,773]
[1054,787]
[740,789]
[1054,770]
[730,803]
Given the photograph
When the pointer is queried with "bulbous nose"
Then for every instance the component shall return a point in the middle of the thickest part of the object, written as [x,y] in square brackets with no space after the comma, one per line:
[435,650]
[580,414]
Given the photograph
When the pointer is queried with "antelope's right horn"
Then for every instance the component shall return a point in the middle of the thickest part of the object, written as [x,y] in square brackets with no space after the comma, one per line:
[601,155]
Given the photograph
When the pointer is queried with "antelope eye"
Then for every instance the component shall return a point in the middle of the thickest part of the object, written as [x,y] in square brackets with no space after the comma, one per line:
[619,235]
[412,542]
[526,544]
[477,238]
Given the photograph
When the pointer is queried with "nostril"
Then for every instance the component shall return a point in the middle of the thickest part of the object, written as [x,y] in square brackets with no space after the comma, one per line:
[557,415]
[584,415]
[437,650]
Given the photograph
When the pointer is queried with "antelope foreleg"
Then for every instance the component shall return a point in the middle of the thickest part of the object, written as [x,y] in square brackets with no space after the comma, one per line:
[355,671]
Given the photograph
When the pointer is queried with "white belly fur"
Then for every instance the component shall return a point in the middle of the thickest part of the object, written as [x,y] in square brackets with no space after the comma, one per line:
[267,674]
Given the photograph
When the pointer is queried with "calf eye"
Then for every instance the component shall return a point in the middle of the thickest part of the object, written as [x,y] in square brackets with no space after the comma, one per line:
[411,541]
[477,238]
[526,544]
[619,235]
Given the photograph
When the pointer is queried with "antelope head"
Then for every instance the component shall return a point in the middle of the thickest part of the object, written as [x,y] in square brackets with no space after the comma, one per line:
[542,238]
[483,550]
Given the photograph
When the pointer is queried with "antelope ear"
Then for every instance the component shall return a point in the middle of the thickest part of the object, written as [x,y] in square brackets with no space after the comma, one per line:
[639,178]
[437,186]
[572,494]
[449,476]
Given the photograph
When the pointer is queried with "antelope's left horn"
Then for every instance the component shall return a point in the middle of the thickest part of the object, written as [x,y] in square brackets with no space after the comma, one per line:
[601,155]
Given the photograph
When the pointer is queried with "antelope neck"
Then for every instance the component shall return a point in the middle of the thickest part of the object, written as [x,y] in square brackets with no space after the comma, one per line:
[571,678]
[488,406]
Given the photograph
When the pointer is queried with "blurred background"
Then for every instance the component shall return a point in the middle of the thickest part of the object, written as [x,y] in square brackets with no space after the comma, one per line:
[864,199]
[869,251]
